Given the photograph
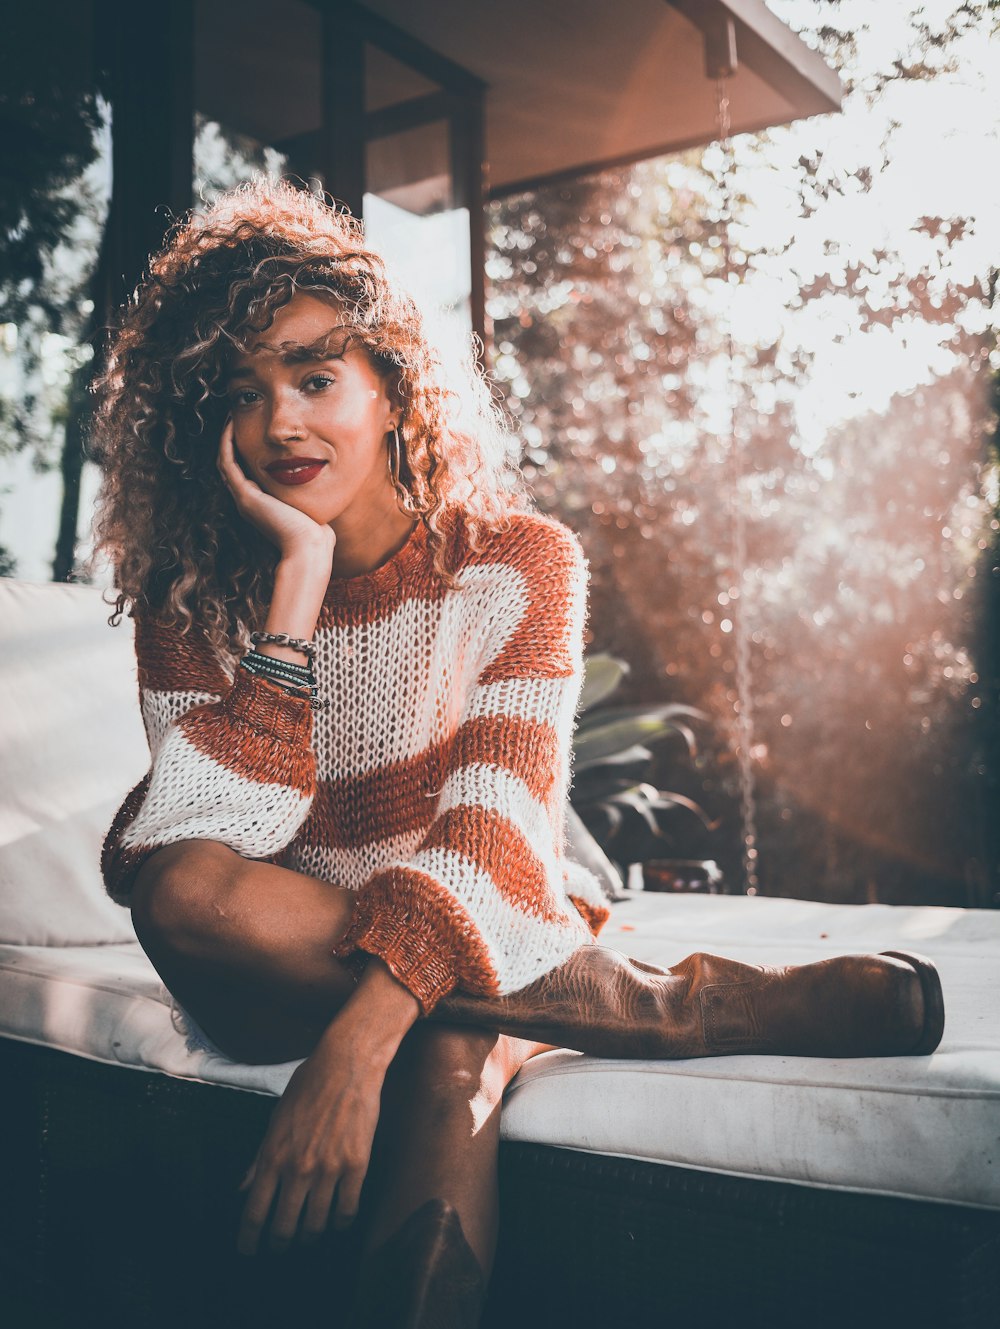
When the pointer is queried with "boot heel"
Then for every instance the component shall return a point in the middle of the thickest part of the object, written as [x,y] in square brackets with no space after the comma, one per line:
[930,985]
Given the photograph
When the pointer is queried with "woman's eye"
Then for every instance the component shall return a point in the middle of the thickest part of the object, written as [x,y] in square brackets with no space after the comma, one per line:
[247,397]
[317,382]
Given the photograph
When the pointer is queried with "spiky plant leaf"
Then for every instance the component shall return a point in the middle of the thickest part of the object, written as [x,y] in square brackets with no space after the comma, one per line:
[602,675]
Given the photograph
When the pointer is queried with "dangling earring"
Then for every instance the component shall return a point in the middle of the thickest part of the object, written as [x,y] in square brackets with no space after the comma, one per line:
[403,496]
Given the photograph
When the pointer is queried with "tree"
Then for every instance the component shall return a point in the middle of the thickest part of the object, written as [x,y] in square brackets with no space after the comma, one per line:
[610,313]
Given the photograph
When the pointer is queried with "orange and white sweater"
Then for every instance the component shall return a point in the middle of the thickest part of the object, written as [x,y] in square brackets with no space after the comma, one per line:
[434,784]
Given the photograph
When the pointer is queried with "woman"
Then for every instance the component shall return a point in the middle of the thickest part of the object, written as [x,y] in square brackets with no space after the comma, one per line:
[359,658]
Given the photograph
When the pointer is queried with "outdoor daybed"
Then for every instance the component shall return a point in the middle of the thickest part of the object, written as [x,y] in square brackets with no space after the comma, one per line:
[750,1190]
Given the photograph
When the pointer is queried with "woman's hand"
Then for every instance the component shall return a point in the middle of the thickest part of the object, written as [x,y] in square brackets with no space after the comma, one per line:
[319,1142]
[292,531]
[321,1133]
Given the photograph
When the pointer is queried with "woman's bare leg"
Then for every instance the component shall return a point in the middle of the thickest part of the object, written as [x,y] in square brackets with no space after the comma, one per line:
[432,1227]
[247,948]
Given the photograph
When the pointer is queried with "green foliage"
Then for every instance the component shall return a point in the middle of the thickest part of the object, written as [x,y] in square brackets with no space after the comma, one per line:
[630,819]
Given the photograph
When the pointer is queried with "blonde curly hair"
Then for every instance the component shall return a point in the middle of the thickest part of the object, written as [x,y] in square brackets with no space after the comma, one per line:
[165,520]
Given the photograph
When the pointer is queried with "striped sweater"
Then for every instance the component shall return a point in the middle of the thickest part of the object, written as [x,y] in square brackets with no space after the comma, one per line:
[434,784]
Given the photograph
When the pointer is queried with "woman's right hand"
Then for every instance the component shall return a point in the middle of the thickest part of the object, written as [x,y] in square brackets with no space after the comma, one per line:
[292,531]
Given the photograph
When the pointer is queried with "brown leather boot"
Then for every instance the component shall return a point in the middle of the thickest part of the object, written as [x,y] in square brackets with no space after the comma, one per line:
[603,1003]
[425,1276]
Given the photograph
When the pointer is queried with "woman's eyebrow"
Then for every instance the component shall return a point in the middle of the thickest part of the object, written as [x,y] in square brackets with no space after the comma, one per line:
[297,353]
[292,355]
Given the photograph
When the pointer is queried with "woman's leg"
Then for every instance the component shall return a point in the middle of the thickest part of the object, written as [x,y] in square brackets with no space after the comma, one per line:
[432,1219]
[246,946]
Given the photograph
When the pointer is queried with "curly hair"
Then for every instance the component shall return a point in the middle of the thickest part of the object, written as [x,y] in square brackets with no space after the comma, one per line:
[165,520]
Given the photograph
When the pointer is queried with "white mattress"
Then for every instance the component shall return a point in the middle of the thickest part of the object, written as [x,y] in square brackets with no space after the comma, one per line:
[922,1127]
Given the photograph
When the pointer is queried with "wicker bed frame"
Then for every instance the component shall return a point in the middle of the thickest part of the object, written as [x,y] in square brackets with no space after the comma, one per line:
[120,1209]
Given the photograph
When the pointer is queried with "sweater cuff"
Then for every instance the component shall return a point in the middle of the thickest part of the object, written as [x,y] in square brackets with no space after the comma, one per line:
[415,941]
[269,709]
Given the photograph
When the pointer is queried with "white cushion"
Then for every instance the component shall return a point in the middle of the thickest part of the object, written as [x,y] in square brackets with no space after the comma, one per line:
[71,746]
[918,1127]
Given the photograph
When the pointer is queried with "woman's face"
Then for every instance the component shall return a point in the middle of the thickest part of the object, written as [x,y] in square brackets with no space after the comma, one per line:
[310,417]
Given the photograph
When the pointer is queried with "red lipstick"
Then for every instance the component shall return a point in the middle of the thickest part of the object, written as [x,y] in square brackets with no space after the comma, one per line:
[295,470]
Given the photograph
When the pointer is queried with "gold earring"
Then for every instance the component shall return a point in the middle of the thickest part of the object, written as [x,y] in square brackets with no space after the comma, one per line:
[403,496]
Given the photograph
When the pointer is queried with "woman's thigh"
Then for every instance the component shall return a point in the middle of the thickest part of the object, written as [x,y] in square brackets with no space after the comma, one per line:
[244,946]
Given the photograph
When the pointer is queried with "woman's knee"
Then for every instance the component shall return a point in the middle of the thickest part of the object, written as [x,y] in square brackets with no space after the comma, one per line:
[178,891]
[453,1067]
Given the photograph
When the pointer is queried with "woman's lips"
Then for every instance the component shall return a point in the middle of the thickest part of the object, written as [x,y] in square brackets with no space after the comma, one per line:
[298,472]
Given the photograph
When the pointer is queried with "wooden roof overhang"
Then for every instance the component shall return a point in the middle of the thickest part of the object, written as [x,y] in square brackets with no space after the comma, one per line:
[572,88]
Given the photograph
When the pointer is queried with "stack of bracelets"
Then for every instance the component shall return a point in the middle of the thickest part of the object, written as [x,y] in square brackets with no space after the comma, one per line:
[295,678]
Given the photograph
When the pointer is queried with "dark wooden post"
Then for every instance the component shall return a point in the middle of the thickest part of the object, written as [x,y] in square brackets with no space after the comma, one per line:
[343,153]
[146,58]
[149,52]
[468,176]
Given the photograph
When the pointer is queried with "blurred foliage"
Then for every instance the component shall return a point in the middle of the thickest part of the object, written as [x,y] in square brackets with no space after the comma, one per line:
[53,132]
[873,555]
[631,819]
[54,197]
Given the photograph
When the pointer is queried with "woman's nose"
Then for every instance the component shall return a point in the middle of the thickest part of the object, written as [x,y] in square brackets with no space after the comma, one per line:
[285,420]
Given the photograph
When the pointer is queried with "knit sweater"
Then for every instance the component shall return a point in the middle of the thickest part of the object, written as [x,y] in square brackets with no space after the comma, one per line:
[434,784]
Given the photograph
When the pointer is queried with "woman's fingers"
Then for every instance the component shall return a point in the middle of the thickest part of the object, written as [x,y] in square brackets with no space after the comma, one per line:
[318,1208]
[282,523]
[349,1196]
[294,1194]
[225,456]
[284,1225]
[232,473]
[256,1210]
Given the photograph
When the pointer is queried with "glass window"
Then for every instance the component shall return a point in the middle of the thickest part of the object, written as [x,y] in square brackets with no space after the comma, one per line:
[410,199]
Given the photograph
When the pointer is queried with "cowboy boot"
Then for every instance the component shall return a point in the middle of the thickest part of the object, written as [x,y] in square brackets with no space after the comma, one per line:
[601,1002]
[425,1276]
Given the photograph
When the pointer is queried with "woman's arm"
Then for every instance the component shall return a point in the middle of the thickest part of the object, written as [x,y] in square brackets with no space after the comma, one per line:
[231,760]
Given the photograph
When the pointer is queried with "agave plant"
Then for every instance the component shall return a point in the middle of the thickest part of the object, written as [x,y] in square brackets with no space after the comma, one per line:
[625,818]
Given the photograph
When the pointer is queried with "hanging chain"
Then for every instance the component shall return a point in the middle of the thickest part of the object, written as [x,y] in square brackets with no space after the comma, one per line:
[743,720]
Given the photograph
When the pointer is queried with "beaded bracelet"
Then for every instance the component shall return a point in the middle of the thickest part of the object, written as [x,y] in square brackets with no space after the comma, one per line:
[310,695]
[288,667]
[296,679]
[307,648]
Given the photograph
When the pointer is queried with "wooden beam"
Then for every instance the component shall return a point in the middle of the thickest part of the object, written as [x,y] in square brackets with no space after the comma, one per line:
[771,49]
[411,114]
[402,46]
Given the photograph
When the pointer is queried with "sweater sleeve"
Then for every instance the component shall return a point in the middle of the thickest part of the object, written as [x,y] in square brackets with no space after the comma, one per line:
[485,901]
[230,760]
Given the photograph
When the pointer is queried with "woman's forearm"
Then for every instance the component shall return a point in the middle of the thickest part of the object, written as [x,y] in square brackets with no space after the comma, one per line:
[375,1018]
[300,584]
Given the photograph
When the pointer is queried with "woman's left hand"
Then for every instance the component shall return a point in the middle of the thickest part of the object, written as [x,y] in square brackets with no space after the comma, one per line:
[319,1142]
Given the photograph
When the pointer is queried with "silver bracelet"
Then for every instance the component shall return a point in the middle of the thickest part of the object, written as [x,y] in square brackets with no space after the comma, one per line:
[308,648]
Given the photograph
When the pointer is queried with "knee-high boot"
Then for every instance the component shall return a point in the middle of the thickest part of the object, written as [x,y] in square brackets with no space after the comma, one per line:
[601,1002]
[425,1276]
